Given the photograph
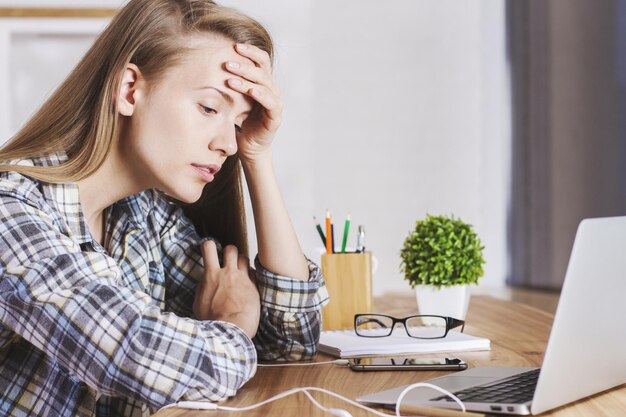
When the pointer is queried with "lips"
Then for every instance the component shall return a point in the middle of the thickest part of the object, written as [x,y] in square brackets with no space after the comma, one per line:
[207,172]
[211,169]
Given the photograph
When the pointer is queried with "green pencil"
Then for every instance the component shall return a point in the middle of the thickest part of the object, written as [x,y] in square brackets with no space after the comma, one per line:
[319,230]
[346,227]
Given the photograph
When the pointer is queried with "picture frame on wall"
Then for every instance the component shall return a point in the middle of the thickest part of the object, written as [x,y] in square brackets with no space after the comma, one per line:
[38,49]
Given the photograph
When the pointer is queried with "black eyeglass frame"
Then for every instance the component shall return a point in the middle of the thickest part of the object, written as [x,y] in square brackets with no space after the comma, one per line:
[451,323]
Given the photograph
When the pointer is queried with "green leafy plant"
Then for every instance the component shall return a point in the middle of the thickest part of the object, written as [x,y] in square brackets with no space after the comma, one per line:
[442,251]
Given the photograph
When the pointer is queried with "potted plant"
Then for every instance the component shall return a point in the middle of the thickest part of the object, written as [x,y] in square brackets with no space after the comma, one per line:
[441,257]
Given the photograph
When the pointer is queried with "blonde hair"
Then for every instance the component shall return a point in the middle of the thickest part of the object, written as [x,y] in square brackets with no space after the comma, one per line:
[81,117]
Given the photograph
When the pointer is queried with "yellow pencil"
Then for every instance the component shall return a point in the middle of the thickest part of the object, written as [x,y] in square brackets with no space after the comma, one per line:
[329,237]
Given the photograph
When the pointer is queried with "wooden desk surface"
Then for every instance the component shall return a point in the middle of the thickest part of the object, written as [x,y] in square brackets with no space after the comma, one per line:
[518,334]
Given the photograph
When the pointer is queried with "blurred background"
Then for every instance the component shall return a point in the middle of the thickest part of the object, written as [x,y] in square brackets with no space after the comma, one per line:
[507,114]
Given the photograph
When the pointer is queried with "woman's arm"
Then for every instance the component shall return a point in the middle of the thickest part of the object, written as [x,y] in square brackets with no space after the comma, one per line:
[290,317]
[279,249]
[292,290]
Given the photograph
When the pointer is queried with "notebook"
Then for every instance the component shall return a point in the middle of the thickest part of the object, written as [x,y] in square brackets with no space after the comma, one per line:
[585,352]
[346,344]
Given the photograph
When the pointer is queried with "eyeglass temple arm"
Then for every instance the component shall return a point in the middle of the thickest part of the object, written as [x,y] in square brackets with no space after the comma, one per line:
[456,323]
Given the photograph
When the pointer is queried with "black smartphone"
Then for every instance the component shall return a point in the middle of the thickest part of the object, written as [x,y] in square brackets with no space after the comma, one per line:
[406,364]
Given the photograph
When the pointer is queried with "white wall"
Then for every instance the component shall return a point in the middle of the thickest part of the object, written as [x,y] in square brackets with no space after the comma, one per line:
[410,102]
[391,113]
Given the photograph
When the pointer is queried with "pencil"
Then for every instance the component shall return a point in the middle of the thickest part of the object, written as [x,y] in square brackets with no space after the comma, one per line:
[329,237]
[418,410]
[346,227]
[332,237]
[319,230]
[360,239]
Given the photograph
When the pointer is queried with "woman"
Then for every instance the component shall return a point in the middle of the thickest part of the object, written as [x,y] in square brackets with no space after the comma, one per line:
[110,301]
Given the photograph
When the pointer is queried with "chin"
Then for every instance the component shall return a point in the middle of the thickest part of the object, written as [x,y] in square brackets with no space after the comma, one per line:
[188,196]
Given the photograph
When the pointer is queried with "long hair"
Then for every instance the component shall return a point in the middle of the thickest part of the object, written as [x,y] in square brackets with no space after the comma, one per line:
[81,118]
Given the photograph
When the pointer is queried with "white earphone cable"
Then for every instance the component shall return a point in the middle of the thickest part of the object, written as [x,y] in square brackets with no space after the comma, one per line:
[204,405]
[426,385]
[306,391]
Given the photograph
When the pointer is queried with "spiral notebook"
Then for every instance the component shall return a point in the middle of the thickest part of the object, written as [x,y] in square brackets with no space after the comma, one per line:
[346,344]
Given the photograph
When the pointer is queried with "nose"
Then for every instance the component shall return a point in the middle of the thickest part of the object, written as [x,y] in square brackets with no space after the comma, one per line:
[225,141]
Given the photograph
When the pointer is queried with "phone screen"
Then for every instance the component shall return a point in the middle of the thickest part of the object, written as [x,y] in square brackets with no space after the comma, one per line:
[406,363]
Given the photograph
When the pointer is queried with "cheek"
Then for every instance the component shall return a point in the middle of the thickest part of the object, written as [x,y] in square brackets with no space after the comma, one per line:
[165,118]
[171,128]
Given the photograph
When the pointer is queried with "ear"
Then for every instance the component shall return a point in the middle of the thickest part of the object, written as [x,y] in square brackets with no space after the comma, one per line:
[129,90]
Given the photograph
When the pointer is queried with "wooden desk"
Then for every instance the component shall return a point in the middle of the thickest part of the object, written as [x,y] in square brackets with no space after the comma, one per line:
[518,334]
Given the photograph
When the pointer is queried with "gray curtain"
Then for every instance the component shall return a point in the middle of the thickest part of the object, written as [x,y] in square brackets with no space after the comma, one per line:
[568,72]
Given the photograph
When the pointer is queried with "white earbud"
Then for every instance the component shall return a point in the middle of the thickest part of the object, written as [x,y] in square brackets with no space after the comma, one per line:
[339,412]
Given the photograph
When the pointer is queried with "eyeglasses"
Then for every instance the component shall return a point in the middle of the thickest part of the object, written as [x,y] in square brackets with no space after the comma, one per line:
[420,326]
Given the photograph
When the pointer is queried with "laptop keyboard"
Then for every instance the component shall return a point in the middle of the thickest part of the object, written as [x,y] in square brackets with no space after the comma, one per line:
[517,389]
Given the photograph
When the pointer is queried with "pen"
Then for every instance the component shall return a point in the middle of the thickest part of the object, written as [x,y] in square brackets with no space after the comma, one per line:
[319,230]
[332,237]
[360,239]
[435,412]
[346,227]
[329,248]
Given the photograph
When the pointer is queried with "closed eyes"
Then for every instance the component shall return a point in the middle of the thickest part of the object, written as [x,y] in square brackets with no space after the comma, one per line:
[208,110]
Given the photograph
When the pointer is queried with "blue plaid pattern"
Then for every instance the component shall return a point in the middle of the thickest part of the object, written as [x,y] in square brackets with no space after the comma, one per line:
[87,330]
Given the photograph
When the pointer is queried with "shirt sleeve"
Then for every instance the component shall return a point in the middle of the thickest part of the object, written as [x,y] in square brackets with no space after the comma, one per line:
[290,314]
[70,305]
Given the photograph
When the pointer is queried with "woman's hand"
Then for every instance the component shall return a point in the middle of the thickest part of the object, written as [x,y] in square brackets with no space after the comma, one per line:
[255,80]
[227,293]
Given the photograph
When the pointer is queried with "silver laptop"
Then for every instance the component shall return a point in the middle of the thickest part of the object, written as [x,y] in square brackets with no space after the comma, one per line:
[585,352]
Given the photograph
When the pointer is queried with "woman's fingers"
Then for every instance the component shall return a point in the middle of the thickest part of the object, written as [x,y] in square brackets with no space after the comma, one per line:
[248,71]
[243,263]
[226,293]
[271,104]
[255,54]
[260,93]
[232,258]
[254,78]
[231,255]
[209,255]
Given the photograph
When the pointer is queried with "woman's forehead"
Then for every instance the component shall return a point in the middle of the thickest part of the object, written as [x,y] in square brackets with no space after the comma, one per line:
[202,68]
[211,47]
[207,56]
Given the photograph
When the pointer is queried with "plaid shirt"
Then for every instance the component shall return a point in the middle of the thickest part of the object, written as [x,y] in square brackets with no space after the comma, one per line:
[87,330]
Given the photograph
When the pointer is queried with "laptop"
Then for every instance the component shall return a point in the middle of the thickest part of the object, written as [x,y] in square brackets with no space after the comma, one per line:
[585,351]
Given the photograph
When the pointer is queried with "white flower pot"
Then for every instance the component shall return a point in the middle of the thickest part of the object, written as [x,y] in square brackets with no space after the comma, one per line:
[445,301]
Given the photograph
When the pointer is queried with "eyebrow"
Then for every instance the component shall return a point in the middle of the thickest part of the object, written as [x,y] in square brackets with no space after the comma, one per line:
[224,94]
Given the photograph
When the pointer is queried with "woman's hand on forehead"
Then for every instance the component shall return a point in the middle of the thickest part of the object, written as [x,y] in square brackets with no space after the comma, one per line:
[254,79]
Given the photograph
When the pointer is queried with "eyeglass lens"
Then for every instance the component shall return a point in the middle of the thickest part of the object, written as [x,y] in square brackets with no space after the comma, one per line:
[425,327]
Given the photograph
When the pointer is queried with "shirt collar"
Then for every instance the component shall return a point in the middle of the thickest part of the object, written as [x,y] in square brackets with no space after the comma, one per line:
[134,208]
[65,198]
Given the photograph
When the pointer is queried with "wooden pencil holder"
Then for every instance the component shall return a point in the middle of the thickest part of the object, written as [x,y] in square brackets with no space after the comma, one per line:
[348,278]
